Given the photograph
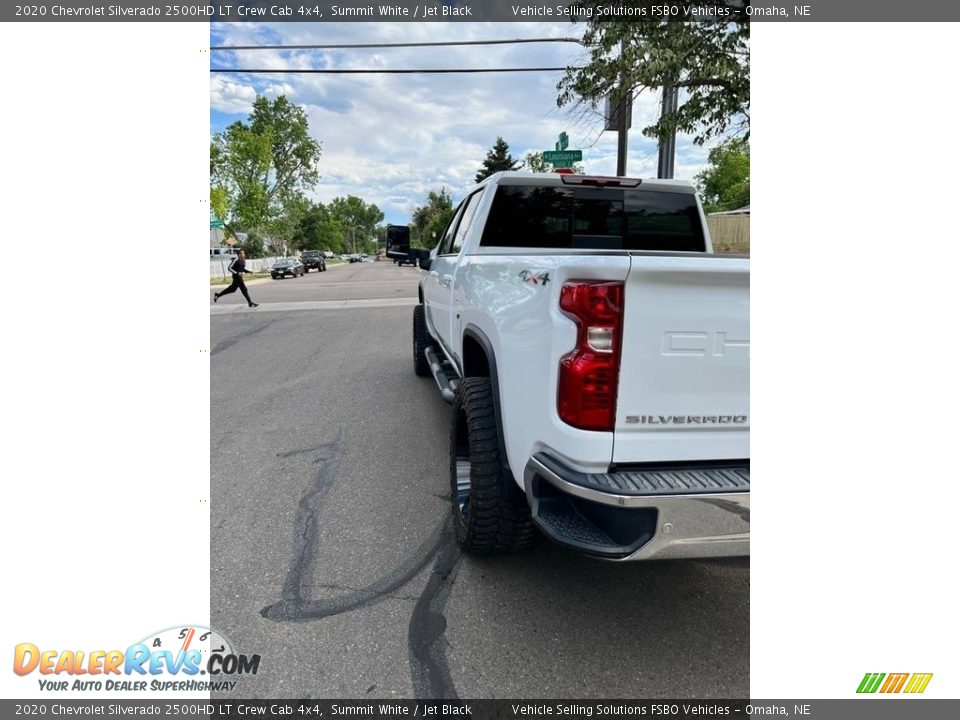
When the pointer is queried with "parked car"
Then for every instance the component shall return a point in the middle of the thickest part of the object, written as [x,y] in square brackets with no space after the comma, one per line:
[596,354]
[328,254]
[313,259]
[286,266]
[355,258]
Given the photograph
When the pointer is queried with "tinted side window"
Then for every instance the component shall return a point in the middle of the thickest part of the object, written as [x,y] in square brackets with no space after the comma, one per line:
[446,242]
[595,218]
[529,216]
[469,211]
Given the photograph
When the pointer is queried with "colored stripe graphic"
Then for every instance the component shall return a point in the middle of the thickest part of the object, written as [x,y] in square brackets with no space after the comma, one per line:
[870,682]
[900,684]
[918,682]
[894,682]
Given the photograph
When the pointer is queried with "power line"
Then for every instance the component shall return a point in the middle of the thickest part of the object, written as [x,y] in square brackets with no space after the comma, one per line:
[398,45]
[428,71]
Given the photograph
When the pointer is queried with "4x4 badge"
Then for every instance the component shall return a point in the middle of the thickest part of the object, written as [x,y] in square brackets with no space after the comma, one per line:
[541,278]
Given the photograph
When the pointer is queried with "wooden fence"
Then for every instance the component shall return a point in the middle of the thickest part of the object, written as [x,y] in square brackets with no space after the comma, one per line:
[730,233]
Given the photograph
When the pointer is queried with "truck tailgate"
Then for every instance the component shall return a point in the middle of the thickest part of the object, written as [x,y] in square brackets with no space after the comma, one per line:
[684,391]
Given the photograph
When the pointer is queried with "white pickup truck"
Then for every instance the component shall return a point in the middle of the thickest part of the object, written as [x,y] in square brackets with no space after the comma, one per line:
[596,354]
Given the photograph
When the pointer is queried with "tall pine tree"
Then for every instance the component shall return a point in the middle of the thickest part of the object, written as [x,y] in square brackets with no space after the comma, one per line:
[498,158]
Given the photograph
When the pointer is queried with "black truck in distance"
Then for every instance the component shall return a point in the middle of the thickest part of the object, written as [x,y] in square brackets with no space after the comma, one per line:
[398,245]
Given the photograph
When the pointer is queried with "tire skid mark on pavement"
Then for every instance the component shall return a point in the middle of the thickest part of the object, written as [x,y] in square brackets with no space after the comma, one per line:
[429,671]
[328,457]
[300,609]
[295,604]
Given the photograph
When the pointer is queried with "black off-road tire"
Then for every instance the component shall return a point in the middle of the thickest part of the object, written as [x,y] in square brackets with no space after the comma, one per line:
[421,341]
[495,517]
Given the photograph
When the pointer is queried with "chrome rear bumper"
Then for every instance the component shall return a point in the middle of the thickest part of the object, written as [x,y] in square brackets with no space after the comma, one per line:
[651,512]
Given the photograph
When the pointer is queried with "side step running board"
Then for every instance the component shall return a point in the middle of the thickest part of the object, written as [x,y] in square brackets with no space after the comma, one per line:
[444,375]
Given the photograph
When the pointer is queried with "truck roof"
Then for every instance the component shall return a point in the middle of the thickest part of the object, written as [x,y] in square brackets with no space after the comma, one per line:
[527,178]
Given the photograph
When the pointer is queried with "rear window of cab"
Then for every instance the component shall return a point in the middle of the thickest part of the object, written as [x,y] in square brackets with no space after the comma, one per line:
[531,216]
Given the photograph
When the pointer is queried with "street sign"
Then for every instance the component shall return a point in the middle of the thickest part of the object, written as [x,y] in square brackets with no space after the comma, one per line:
[216,224]
[613,108]
[562,158]
[562,141]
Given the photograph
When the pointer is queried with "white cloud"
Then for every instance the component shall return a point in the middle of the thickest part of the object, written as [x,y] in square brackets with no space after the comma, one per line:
[229,96]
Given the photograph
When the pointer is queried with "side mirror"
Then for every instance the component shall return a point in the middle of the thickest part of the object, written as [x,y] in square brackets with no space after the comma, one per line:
[425,263]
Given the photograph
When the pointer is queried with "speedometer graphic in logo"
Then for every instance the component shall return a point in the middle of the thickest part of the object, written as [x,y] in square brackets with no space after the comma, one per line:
[183,641]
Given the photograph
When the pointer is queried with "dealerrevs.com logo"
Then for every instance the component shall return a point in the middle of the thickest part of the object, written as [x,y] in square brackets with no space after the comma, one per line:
[894,683]
[185,658]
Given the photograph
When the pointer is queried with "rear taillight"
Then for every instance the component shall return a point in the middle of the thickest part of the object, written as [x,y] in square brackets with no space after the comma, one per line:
[587,392]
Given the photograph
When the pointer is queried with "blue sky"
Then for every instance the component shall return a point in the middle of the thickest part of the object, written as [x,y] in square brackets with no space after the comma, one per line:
[390,139]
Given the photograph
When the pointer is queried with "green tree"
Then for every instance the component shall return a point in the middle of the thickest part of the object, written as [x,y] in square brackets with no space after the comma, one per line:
[431,218]
[498,158]
[238,161]
[434,230]
[282,228]
[708,61]
[725,183]
[259,166]
[253,247]
[220,202]
[318,230]
[534,162]
[358,221]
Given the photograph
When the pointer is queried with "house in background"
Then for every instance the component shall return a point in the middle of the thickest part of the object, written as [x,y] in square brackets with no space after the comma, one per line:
[220,245]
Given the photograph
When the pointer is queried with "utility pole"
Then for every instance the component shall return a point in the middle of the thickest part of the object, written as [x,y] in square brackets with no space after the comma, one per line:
[622,110]
[622,136]
[668,144]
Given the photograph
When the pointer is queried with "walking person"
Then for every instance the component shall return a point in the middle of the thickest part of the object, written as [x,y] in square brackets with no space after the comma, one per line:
[237,268]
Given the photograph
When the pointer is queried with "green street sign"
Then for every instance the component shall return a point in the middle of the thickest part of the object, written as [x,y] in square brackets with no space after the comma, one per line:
[562,141]
[562,158]
[216,224]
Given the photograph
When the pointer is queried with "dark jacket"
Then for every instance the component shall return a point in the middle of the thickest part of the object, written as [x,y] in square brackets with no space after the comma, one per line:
[239,266]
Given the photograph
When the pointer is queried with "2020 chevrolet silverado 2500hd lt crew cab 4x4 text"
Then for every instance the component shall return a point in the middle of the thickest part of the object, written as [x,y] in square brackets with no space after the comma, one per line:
[596,354]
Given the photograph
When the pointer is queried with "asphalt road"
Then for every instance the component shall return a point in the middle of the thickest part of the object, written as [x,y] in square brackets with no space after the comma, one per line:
[346,281]
[330,548]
